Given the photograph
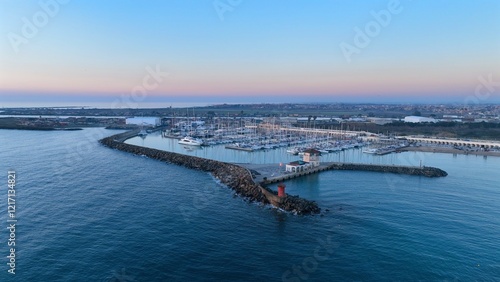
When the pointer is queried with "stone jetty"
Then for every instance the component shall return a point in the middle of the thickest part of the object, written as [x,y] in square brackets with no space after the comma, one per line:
[426,171]
[265,179]
[234,176]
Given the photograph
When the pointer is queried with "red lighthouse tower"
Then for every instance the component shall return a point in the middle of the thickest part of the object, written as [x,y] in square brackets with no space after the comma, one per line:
[281,190]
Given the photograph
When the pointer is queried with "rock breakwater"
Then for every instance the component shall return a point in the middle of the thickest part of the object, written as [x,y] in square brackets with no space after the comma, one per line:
[235,177]
[422,171]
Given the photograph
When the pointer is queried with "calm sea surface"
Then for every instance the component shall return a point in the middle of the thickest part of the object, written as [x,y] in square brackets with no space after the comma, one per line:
[89,213]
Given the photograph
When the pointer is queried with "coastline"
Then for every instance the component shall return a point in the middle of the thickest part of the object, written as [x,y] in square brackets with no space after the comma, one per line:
[454,151]
[47,124]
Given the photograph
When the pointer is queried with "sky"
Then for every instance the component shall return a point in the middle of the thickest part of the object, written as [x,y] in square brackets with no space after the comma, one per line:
[132,52]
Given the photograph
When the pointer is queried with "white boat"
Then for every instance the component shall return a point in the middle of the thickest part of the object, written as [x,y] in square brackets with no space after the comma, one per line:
[293,151]
[190,141]
[256,147]
[142,133]
[370,151]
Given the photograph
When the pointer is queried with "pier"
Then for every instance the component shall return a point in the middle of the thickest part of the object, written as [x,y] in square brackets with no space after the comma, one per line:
[268,174]
[238,148]
[455,142]
[319,131]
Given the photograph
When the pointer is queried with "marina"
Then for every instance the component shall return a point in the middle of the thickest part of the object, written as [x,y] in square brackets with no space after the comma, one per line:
[248,135]
[239,154]
[245,180]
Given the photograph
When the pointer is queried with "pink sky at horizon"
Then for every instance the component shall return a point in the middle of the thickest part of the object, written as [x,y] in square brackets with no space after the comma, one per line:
[254,53]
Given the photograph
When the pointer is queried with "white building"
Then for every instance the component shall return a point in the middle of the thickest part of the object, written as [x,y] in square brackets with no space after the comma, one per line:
[417,119]
[145,121]
[309,160]
[380,121]
[297,166]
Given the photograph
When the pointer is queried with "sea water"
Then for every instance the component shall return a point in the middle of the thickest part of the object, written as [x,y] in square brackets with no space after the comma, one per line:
[89,213]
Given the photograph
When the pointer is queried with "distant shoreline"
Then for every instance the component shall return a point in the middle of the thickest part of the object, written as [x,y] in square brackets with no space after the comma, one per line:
[49,124]
[431,149]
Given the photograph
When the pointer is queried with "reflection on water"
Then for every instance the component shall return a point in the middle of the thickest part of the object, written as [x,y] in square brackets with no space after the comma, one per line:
[191,148]
[220,153]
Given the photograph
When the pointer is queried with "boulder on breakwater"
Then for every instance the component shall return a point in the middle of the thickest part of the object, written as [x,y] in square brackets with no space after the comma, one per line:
[235,177]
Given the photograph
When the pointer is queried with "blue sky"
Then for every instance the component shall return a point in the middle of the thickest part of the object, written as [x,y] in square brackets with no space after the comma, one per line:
[268,50]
